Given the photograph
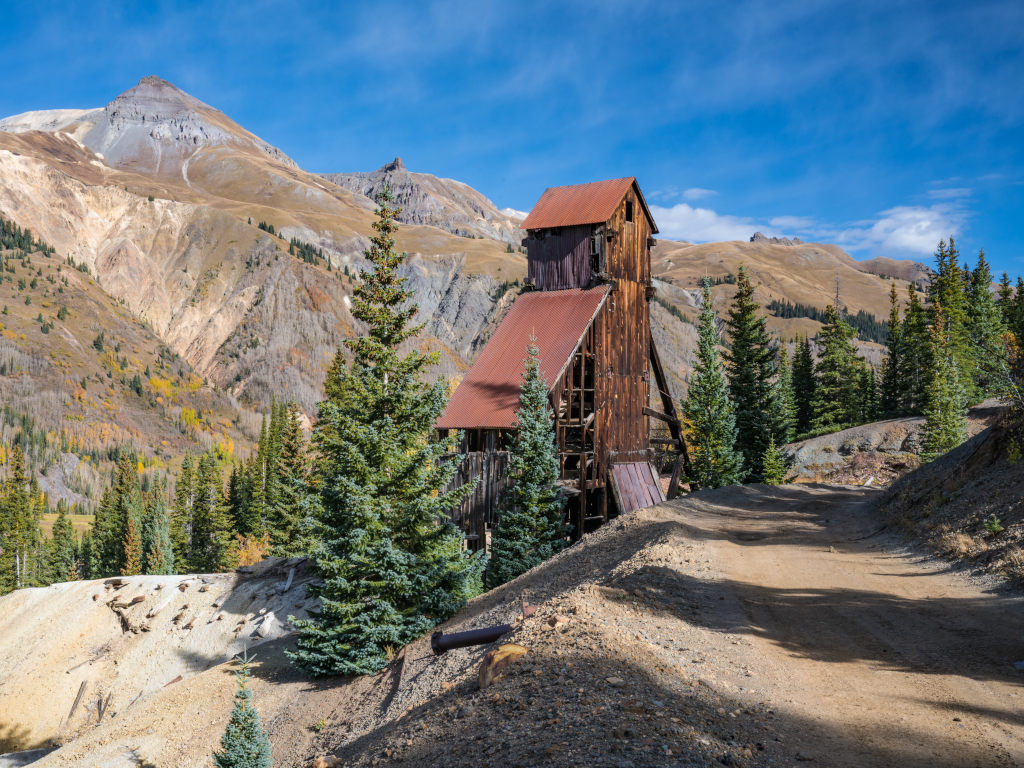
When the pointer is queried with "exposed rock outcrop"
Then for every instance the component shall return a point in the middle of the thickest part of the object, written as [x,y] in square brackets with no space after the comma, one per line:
[759,237]
[425,199]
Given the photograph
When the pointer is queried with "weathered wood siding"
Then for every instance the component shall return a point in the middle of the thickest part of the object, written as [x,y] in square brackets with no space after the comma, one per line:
[623,338]
[560,259]
[479,510]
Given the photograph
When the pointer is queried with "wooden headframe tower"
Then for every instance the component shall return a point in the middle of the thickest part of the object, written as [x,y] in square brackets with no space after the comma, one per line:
[587,306]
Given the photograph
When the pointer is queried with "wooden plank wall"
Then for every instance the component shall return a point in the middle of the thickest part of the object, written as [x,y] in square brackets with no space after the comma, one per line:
[479,510]
[623,332]
[561,259]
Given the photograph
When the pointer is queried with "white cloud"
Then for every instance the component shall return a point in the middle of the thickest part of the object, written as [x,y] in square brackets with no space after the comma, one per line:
[908,229]
[701,225]
[697,193]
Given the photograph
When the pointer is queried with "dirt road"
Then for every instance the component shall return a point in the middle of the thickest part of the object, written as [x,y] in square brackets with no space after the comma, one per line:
[873,655]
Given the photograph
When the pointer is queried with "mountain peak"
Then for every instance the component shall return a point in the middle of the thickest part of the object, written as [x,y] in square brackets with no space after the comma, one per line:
[153,98]
[394,165]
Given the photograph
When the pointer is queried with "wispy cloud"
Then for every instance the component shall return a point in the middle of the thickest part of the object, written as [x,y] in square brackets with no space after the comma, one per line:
[698,193]
[906,229]
[799,223]
[949,193]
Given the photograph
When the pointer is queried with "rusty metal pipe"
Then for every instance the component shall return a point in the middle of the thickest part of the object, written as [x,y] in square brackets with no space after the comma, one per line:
[440,642]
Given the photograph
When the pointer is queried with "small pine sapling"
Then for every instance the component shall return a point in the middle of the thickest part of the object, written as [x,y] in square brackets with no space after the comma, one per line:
[244,744]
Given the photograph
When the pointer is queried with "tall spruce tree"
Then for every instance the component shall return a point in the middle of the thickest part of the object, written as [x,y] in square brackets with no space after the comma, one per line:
[985,328]
[750,366]
[916,354]
[244,744]
[212,546]
[945,425]
[783,400]
[804,384]
[893,387]
[835,402]
[182,512]
[949,289]
[63,549]
[1005,301]
[530,526]
[392,563]
[708,411]
[158,549]
[289,506]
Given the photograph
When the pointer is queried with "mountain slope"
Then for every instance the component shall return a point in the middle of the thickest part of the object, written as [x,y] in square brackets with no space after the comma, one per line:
[167,224]
[444,203]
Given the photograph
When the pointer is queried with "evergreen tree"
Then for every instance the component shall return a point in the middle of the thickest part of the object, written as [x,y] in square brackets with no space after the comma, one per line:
[916,354]
[212,547]
[63,549]
[245,516]
[949,289]
[985,327]
[391,562]
[181,514]
[292,467]
[1016,323]
[244,744]
[945,424]
[85,555]
[835,398]
[893,369]
[132,563]
[708,411]
[867,390]
[776,466]
[1005,302]
[530,525]
[750,365]
[158,555]
[804,385]
[783,401]
[19,528]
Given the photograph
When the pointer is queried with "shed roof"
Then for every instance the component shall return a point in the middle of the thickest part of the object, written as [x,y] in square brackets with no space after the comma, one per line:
[592,203]
[488,396]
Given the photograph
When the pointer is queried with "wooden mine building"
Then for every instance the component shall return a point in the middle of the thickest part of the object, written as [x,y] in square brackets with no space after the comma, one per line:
[586,304]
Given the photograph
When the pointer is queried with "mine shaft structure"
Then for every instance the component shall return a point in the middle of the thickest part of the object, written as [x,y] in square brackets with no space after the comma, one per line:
[587,308]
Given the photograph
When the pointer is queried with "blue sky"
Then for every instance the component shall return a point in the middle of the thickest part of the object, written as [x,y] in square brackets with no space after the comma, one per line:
[879,126]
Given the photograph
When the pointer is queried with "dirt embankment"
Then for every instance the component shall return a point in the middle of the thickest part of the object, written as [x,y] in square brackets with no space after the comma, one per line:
[745,626]
[77,656]
[969,504]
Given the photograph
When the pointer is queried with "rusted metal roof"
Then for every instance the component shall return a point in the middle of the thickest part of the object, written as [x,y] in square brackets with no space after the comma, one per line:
[488,396]
[592,203]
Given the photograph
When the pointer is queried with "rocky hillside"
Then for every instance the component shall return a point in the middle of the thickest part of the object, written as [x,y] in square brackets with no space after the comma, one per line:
[444,203]
[161,197]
